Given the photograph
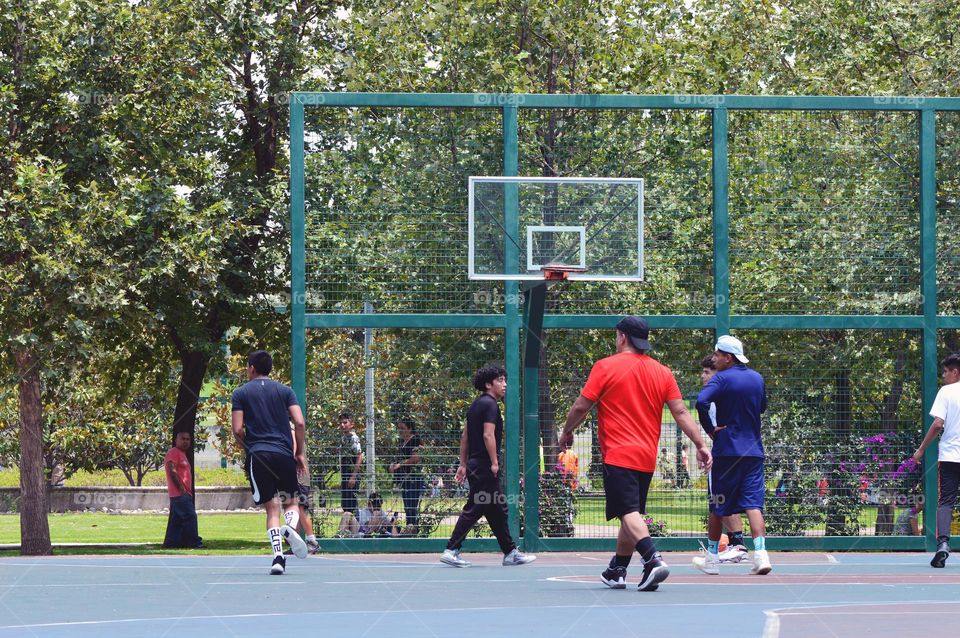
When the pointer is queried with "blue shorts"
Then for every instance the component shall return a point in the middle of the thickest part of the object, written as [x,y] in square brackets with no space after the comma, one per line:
[735,484]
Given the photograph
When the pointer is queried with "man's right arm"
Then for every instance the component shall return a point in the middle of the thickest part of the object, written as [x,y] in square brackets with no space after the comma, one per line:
[704,399]
[173,476]
[935,430]
[464,450]
[236,423]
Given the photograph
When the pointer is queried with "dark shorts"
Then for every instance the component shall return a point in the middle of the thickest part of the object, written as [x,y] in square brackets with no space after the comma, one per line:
[270,474]
[305,501]
[625,489]
[735,484]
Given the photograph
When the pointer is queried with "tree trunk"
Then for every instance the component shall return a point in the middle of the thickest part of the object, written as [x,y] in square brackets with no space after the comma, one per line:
[891,402]
[34,527]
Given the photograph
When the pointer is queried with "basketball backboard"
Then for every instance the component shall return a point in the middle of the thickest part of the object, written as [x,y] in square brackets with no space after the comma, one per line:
[522,227]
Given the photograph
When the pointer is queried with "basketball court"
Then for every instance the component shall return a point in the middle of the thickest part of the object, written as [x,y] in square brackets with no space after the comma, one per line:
[807,594]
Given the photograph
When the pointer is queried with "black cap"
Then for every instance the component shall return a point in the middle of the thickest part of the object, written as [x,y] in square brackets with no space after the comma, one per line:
[638,331]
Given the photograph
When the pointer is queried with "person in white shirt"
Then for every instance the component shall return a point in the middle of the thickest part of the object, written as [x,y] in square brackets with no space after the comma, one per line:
[946,423]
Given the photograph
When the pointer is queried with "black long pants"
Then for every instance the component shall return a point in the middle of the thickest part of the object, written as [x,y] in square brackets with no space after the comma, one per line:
[949,480]
[411,488]
[486,498]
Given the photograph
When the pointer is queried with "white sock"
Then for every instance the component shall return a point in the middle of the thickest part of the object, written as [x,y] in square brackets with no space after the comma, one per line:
[276,542]
[312,538]
[292,518]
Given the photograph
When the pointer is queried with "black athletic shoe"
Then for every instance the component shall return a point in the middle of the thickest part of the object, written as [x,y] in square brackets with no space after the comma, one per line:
[614,577]
[655,571]
[279,565]
[940,558]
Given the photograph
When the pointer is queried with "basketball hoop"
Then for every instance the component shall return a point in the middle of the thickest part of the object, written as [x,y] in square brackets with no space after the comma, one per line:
[560,272]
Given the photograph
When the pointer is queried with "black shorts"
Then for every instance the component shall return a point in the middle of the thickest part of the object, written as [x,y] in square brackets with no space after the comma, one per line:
[625,489]
[270,474]
[305,501]
[348,497]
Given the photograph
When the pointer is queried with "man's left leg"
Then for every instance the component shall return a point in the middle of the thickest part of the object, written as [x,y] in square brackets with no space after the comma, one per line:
[634,535]
[497,514]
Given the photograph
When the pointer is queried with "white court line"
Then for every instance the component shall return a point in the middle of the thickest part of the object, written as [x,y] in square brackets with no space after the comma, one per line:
[91,584]
[832,559]
[771,628]
[260,583]
[746,582]
[442,610]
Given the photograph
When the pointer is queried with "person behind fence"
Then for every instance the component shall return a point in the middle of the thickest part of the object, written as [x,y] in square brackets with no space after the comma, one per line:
[946,423]
[351,458]
[262,412]
[683,473]
[480,463]
[182,521]
[665,467]
[369,521]
[736,482]
[907,523]
[629,390]
[407,474]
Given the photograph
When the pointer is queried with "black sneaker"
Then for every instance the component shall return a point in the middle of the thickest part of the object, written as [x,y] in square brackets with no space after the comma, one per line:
[279,565]
[655,571]
[940,558]
[614,577]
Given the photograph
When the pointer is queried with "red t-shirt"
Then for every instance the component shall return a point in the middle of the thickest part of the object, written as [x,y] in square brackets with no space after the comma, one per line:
[630,391]
[182,466]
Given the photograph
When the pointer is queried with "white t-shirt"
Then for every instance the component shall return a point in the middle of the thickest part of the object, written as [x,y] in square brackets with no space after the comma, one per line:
[947,407]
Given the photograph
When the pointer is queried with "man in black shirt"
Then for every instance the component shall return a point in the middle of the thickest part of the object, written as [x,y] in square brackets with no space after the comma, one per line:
[262,411]
[480,462]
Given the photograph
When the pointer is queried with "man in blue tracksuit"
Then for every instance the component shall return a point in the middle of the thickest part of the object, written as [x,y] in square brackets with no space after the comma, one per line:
[736,478]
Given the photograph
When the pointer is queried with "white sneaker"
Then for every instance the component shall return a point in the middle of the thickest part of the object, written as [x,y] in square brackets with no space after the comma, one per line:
[761,563]
[516,557]
[294,541]
[279,565]
[452,557]
[734,554]
[707,563]
[312,546]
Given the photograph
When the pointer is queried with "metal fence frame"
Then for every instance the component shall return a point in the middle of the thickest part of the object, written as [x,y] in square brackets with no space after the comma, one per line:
[722,321]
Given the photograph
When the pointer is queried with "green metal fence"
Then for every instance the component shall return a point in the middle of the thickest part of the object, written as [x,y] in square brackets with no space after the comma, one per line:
[817,229]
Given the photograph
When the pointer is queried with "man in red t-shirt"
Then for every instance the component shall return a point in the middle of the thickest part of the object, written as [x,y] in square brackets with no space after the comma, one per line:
[629,390]
[182,522]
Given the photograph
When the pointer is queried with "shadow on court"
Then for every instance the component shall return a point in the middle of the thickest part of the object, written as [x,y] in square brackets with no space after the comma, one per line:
[807,594]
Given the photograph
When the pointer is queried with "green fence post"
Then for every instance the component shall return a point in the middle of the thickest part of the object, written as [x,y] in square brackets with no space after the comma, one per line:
[513,322]
[721,222]
[928,270]
[298,345]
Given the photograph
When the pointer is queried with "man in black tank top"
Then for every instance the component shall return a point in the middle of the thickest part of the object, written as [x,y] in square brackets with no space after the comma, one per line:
[480,463]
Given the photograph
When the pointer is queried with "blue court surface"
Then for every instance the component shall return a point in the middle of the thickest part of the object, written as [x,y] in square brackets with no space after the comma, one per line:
[807,594]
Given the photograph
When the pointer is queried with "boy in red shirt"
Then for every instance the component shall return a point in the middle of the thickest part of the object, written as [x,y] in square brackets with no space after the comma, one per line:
[182,522]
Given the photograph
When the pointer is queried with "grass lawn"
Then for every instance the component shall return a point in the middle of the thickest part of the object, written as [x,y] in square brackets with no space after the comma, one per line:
[240,533]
